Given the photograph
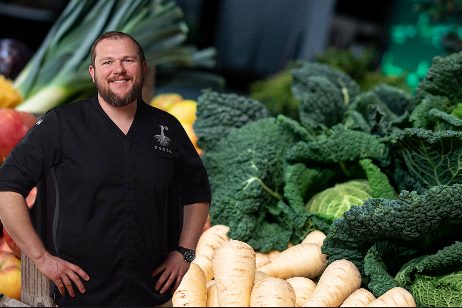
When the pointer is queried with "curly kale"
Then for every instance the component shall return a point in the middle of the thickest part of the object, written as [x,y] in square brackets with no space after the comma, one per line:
[435,280]
[443,79]
[218,113]
[444,120]
[396,99]
[322,104]
[424,223]
[381,263]
[324,94]
[420,116]
[430,158]
[439,95]
[436,113]
[378,111]
[246,172]
[301,182]
[378,181]
[338,146]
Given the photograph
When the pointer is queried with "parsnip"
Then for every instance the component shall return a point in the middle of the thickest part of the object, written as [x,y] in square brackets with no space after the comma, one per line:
[273,254]
[210,283]
[303,288]
[260,275]
[261,259]
[272,292]
[302,260]
[315,237]
[359,298]
[339,280]
[192,291]
[234,267]
[395,297]
[210,240]
[212,296]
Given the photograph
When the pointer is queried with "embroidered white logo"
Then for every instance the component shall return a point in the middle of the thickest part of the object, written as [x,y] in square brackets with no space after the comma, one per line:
[162,139]
[39,122]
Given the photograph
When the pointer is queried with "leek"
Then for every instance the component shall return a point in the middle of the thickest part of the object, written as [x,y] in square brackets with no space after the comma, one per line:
[58,71]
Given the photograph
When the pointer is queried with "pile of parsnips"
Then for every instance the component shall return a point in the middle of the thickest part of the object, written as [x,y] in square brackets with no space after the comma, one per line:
[228,273]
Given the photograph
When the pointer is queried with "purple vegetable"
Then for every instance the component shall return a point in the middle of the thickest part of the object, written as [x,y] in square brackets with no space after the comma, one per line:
[14,55]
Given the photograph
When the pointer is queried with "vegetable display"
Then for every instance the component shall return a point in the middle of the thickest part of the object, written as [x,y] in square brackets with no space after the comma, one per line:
[238,282]
[273,178]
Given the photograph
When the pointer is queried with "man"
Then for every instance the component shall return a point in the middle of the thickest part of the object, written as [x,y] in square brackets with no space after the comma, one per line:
[121,168]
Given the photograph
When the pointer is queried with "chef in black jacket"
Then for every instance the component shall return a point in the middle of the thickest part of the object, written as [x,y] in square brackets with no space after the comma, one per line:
[131,195]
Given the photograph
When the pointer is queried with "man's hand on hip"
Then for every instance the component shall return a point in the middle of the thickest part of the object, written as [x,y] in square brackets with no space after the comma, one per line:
[170,272]
[62,273]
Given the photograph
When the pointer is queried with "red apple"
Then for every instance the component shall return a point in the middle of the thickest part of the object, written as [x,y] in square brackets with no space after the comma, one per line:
[13,126]
[10,275]
[3,245]
[11,244]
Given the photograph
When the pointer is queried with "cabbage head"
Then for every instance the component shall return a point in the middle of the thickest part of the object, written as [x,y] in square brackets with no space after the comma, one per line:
[331,203]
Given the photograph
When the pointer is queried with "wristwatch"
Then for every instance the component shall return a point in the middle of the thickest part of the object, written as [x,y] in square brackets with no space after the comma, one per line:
[188,254]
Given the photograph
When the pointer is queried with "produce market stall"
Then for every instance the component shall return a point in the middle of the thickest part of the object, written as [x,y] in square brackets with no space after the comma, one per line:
[329,188]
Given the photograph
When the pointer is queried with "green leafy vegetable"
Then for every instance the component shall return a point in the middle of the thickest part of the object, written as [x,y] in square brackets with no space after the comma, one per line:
[431,158]
[58,71]
[421,224]
[435,280]
[275,92]
[247,195]
[218,113]
[324,94]
[332,202]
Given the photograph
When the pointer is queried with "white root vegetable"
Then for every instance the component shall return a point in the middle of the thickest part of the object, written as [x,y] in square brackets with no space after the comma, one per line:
[273,254]
[260,275]
[315,237]
[339,280]
[212,296]
[261,259]
[302,260]
[303,288]
[395,297]
[210,240]
[234,267]
[359,298]
[192,291]
[272,292]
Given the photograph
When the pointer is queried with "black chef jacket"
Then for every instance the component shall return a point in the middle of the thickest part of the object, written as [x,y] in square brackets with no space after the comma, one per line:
[117,197]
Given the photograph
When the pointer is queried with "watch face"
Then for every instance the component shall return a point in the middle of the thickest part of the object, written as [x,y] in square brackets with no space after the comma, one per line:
[189,255]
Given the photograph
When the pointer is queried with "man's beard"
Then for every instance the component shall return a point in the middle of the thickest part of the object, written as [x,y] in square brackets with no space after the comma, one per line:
[116,101]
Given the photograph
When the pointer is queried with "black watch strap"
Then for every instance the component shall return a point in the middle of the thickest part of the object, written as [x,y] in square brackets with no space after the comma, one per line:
[188,254]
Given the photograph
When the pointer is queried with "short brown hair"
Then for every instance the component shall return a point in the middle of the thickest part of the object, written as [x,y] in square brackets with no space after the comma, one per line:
[115,35]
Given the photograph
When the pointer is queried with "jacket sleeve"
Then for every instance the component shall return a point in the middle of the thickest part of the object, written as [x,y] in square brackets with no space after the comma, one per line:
[33,156]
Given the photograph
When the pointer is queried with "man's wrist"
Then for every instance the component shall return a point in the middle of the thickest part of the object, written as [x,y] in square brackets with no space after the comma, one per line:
[188,254]
[39,258]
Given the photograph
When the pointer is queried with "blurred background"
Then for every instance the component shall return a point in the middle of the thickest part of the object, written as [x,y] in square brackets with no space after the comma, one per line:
[259,38]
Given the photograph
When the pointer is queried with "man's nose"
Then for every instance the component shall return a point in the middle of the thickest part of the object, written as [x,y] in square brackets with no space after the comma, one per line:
[118,66]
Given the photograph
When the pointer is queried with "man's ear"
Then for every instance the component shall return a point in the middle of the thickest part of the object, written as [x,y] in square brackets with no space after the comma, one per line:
[91,71]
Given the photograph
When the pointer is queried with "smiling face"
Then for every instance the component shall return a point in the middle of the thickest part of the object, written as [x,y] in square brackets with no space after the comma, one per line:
[117,71]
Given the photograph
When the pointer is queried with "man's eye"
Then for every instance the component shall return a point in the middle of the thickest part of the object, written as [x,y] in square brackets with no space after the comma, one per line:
[128,60]
[106,62]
